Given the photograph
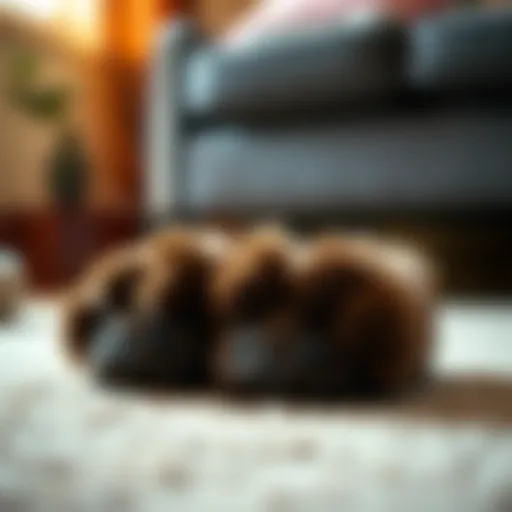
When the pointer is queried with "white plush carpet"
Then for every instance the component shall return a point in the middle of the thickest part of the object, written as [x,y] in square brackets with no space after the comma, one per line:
[66,446]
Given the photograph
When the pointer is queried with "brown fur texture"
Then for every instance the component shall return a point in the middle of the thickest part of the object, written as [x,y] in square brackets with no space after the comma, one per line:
[182,263]
[263,311]
[159,289]
[255,277]
[174,312]
[339,316]
[253,292]
[108,284]
[374,301]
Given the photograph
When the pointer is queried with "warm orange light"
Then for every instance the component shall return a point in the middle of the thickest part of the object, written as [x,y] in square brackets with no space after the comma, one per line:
[38,9]
[77,20]
[80,18]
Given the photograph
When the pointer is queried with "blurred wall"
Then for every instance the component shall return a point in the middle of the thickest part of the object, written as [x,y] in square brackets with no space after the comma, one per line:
[108,78]
[216,16]
[24,143]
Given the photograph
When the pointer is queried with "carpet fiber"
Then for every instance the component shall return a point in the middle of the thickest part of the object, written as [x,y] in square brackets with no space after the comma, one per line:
[66,446]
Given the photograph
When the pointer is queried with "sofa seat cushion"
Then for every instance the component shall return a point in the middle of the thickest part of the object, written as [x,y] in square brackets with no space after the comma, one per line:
[464,51]
[433,161]
[346,65]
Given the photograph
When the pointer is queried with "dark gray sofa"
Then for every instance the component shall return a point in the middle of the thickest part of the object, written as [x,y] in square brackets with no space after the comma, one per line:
[368,118]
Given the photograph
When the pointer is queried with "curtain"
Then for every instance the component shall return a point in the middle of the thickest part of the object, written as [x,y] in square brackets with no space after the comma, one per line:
[127,28]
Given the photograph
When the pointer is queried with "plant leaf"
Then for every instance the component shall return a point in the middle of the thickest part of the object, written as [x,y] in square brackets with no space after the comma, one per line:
[45,104]
[24,67]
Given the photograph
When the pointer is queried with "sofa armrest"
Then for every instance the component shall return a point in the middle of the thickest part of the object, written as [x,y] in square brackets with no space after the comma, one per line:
[163,185]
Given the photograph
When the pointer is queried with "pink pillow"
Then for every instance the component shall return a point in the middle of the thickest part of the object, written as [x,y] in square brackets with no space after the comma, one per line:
[281,16]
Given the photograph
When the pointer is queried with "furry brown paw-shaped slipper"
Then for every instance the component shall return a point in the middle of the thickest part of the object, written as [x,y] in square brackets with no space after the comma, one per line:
[105,290]
[140,316]
[368,305]
[175,317]
[253,292]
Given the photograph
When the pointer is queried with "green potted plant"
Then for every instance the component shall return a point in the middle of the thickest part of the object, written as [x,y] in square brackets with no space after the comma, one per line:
[51,104]
[67,165]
